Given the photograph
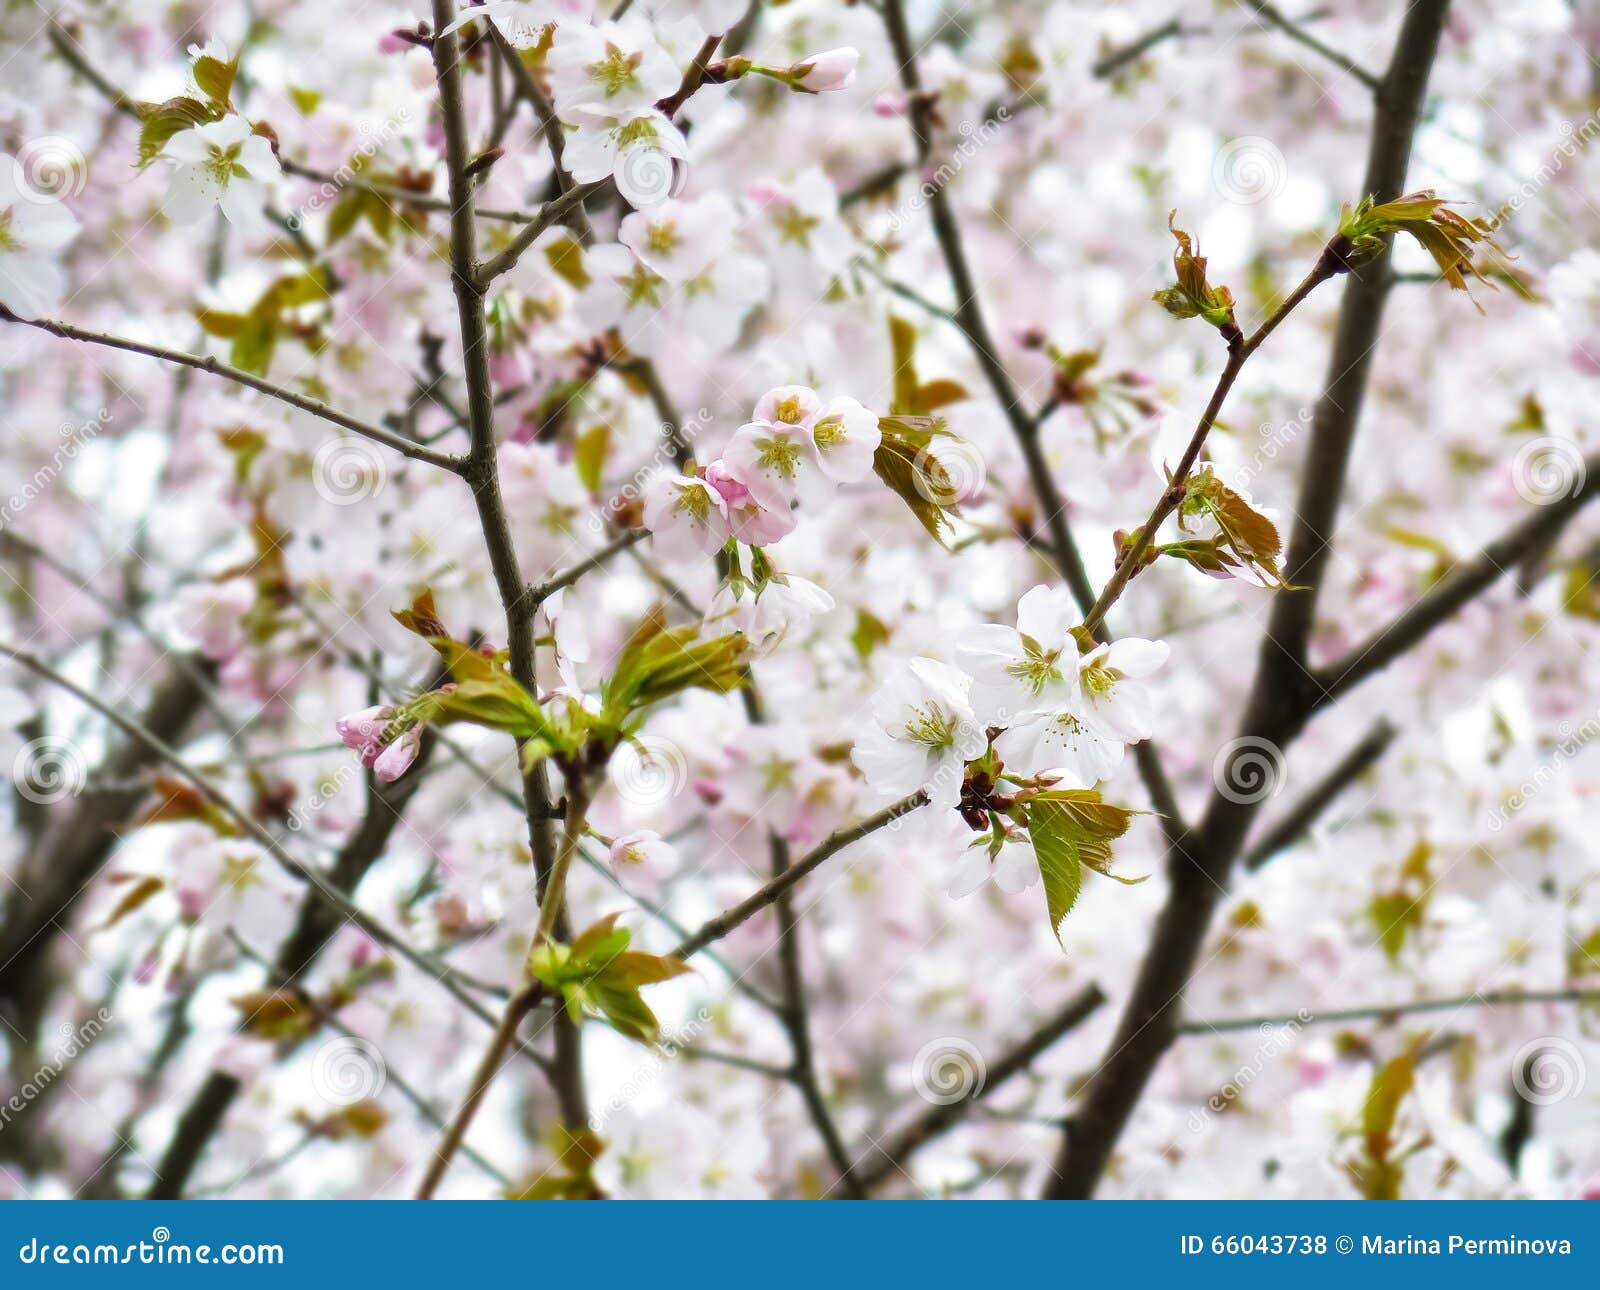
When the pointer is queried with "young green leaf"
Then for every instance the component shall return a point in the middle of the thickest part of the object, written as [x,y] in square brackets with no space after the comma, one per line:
[1071,828]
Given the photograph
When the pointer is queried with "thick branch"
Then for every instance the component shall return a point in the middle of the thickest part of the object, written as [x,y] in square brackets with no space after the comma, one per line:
[1200,865]
[1462,584]
[890,1155]
[1309,808]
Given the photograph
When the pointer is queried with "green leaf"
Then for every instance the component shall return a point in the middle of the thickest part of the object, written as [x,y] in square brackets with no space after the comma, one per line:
[597,973]
[1071,828]
[215,78]
[908,469]
[1379,1176]
[589,455]
[163,120]
[1193,296]
[254,344]
[137,895]
[306,100]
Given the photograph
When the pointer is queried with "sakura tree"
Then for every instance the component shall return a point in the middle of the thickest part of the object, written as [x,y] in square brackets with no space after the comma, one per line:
[695,599]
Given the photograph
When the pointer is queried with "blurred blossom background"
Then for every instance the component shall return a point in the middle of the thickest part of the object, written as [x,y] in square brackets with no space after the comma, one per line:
[1388,980]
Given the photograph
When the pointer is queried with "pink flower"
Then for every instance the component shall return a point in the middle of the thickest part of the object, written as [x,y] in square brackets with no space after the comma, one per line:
[748,520]
[396,758]
[685,516]
[363,731]
[371,734]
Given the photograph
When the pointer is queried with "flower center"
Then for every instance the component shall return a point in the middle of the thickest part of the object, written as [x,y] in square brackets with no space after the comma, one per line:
[615,71]
[829,433]
[642,287]
[1099,681]
[1036,670]
[793,226]
[781,454]
[8,240]
[932,727]
[694,502]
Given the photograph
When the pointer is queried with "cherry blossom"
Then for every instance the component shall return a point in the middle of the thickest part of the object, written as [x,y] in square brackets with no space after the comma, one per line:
[222,164]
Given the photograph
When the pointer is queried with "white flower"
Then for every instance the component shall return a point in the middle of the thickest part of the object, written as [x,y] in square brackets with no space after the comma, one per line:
[712,306]
[641,859]
[845,436]
[1115,707]
[617,66]
[221,163]
[765,619]
[685,516]
[678,239]
[772,460]
[1032,669]
[1014,870]
[832,69]
[1117,703]
[923,734]
[32,230]
[642,152]
[621,293]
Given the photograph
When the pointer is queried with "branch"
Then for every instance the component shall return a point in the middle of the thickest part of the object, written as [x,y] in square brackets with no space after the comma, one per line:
[247,822]
[795,1018]
[315,925]
[1461,585]
[534,596]
[1390,1012]
[715,929]
[1277,18]
[1305,812]
[397,196]
[1129,559]
[891,1154]
[205,363]
[1199,865]
[968,317]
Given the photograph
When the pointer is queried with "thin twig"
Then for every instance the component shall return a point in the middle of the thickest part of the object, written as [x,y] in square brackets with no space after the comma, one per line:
[205,363]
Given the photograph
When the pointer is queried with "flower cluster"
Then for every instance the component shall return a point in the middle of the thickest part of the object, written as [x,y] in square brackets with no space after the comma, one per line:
[1041,697]
[794,448]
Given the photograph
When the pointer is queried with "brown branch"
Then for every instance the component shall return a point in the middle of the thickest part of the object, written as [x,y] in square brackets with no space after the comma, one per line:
[248,824]
[315,925]
[1276,17]
[1309,808]
[889,1155]
[714,929]
[796,1021]
[1462,584]
[1199,865]
[205,363]
[1388,1013]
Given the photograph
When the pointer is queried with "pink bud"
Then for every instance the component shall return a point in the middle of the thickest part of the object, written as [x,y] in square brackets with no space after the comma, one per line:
[396,759]
[832,69]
